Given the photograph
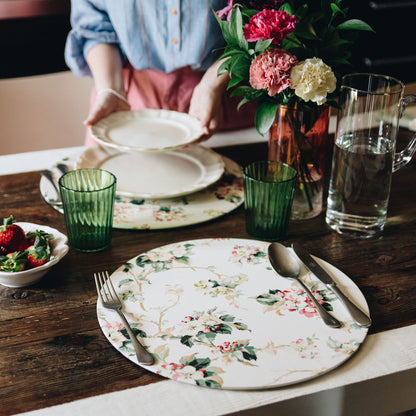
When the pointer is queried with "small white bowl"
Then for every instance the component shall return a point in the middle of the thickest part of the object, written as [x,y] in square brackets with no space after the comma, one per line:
[29,277]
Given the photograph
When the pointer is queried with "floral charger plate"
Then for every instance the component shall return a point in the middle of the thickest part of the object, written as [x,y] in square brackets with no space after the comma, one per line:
[216,200]
[215,314]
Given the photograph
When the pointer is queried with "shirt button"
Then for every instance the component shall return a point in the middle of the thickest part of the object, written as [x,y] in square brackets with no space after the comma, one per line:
[174,12]
[174,41]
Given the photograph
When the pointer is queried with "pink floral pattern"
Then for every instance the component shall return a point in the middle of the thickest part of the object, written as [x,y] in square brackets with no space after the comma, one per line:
[132,213]
[296,300]
[209,312]
[247,254]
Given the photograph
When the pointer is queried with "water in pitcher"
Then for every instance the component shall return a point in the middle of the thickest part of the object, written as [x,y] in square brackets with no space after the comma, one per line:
[360,184]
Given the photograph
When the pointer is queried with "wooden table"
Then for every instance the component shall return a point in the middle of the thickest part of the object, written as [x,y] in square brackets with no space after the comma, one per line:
[52,350]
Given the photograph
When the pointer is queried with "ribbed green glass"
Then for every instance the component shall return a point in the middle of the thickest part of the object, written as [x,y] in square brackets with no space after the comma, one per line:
[88,202]
[268,197]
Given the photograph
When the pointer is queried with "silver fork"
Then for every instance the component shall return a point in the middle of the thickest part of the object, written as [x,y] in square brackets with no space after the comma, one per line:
[110,300]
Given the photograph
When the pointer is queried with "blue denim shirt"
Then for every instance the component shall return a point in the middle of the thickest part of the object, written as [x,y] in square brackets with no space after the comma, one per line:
[151,34]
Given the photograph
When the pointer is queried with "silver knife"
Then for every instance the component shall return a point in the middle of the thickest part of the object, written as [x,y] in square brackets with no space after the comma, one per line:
[357,315]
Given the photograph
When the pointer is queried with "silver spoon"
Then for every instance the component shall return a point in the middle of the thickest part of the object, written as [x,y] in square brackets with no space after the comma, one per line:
[49,176]
[286,266]
[62,167]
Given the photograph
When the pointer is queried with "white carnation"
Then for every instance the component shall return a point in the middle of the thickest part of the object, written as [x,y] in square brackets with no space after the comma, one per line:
[312,80]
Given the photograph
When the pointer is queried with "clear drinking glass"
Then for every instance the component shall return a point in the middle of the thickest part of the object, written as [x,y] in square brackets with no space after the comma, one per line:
[268,196]
[365,155]
[88,202]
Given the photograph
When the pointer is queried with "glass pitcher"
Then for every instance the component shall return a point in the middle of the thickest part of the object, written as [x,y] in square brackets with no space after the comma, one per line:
[365,155]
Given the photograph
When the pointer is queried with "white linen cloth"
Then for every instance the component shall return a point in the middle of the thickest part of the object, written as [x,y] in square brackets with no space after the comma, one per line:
[378,380]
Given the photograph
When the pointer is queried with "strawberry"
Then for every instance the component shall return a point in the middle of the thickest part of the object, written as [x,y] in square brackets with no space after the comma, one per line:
[23,246]
[11,235]
[13,262]
[39,253]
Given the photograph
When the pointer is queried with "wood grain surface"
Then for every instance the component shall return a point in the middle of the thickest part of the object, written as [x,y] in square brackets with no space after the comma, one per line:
[51,347]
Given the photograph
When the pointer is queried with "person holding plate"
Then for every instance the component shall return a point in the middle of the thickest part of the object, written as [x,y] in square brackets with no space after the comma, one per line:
[160,55]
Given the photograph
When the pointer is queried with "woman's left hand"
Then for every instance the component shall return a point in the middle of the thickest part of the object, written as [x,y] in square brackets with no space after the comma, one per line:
[206,100]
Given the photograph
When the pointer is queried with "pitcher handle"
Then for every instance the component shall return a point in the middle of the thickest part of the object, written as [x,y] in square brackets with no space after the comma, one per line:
[403,158]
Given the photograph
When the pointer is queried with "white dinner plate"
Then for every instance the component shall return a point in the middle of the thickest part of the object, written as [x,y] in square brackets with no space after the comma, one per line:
[216,200]
[214,313]
[147,130]
[156,175]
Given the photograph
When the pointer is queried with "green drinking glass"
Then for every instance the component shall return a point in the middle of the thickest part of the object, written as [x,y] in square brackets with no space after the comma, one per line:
[268,196]
[88,202]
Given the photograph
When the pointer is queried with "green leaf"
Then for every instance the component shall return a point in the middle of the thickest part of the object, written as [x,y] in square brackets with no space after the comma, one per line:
[242,90]
[200,363]
[286,7]
[206,336]
[241,326]
[142,260]
[328,306]
[225,27]
[262,45]
[227,318]
[265,115]
[127,267]
[187,340]
[249,355]
[208,383]
[290,42]
[240,66]
[266,299]
[182,259]
[223,68]
[242,102]
[223,329]
[236,28]
[355,24]
[336,9]
[136,332]
[137,201]
[234,81]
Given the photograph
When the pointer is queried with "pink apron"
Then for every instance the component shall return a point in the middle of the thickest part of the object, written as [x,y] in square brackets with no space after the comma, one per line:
[172,91]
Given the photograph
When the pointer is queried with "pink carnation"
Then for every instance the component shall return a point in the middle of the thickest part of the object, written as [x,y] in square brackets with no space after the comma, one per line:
[270,24]
[271,70]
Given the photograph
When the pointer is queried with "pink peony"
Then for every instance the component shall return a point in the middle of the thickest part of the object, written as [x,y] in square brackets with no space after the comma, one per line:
[271,70]
[270,24]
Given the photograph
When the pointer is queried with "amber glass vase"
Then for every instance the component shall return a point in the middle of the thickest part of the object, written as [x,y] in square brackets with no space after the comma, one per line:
[299,137]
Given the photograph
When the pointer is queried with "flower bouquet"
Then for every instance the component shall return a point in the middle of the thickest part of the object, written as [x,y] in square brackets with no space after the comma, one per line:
[289,57]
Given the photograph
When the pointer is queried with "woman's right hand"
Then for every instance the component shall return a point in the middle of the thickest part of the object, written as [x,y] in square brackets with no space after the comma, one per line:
[106,103]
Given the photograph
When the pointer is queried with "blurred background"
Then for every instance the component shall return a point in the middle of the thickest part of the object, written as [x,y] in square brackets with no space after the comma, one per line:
[42,104]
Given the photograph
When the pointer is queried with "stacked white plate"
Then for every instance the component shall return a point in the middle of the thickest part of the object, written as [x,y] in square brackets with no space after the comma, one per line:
[153,153]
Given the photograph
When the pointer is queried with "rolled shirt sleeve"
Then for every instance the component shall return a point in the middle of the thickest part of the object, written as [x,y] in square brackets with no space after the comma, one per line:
[90,26]
[163,35]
